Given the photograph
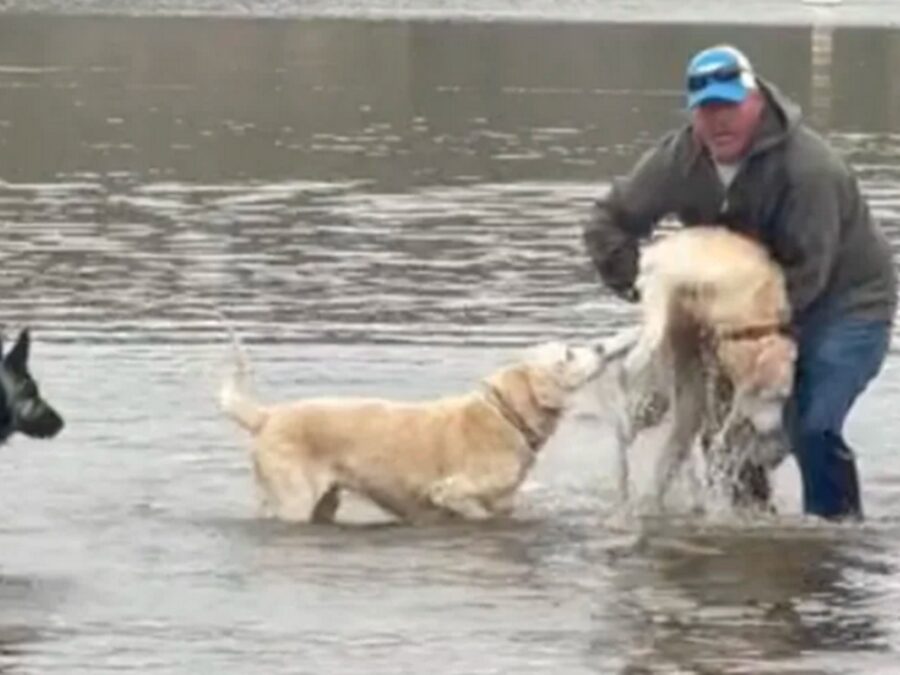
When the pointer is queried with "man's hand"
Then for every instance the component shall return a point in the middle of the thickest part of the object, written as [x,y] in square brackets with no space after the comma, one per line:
[615,252]
[619,271]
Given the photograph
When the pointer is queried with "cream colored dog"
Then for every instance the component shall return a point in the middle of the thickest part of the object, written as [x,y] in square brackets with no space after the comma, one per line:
[462,456]
[714,306]
[725,287]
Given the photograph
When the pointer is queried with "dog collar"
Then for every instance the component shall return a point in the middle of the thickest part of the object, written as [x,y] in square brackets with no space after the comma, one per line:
[753,332]
[507,412]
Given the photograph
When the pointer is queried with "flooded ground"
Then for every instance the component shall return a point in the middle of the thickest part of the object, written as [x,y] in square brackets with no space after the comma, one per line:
[879,13]
[384,208]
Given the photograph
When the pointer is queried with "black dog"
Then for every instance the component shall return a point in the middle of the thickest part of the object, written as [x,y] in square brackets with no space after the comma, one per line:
[21,407]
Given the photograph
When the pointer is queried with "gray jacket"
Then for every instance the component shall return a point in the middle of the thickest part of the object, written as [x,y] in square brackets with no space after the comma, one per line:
[792,192]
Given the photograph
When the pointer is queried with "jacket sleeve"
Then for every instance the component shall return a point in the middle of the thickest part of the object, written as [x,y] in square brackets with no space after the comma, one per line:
[808,235]
[627,213]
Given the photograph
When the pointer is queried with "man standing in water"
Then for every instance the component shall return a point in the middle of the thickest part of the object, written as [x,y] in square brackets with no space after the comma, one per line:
[747,162]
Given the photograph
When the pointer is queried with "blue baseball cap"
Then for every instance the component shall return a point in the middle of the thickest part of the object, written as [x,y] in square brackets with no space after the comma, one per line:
[720,73]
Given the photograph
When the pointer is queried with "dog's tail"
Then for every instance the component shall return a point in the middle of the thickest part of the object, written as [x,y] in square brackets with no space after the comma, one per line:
[709,275]
[233,396]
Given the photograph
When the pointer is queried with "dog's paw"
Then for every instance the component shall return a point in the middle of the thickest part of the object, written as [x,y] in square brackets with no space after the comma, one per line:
[453,494]
[501,506]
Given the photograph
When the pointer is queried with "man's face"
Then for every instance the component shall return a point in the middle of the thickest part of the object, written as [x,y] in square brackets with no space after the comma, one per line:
[727,129]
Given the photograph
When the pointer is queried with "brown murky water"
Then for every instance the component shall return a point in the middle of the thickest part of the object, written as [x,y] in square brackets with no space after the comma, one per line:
[383,208]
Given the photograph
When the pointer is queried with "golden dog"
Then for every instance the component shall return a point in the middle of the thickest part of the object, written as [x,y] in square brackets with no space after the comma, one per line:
[714,309]
[462,456]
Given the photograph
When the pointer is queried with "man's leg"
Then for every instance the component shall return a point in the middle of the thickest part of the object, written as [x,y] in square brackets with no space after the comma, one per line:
[836,362]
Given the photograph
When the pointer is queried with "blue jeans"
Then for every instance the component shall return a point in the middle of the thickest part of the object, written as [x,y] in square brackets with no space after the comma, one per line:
[836,360]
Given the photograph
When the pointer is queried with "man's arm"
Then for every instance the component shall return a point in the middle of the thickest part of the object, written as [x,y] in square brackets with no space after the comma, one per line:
[627,213]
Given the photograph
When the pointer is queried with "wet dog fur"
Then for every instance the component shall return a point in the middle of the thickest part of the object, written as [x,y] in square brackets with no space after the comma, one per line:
[463,456]
[713,308]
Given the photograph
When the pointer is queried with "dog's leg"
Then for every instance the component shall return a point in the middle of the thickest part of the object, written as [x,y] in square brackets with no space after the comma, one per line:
[753,488]
[324,493]
[479,495]
[624,434]
[734,472]
[638,416]
[290,491]
[741,473]
[458,495]
[628,423]
[501,505]
[276,487]
[294,502]
[687,413]
[327,506]
[266,490]
[720,460]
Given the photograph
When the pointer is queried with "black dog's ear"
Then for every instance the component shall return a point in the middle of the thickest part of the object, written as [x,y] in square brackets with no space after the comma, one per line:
[17,358]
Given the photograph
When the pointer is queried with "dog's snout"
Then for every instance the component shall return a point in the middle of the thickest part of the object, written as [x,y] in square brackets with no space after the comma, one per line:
[43,422]
[55,425]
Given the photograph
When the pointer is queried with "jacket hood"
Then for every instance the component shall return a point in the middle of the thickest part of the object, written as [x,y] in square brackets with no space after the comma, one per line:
[780,118]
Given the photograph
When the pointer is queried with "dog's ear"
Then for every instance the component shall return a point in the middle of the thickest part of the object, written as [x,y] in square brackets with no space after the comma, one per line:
[17,358]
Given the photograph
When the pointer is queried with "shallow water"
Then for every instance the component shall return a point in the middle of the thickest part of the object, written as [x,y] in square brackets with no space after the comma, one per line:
[879,13]
[385,208]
